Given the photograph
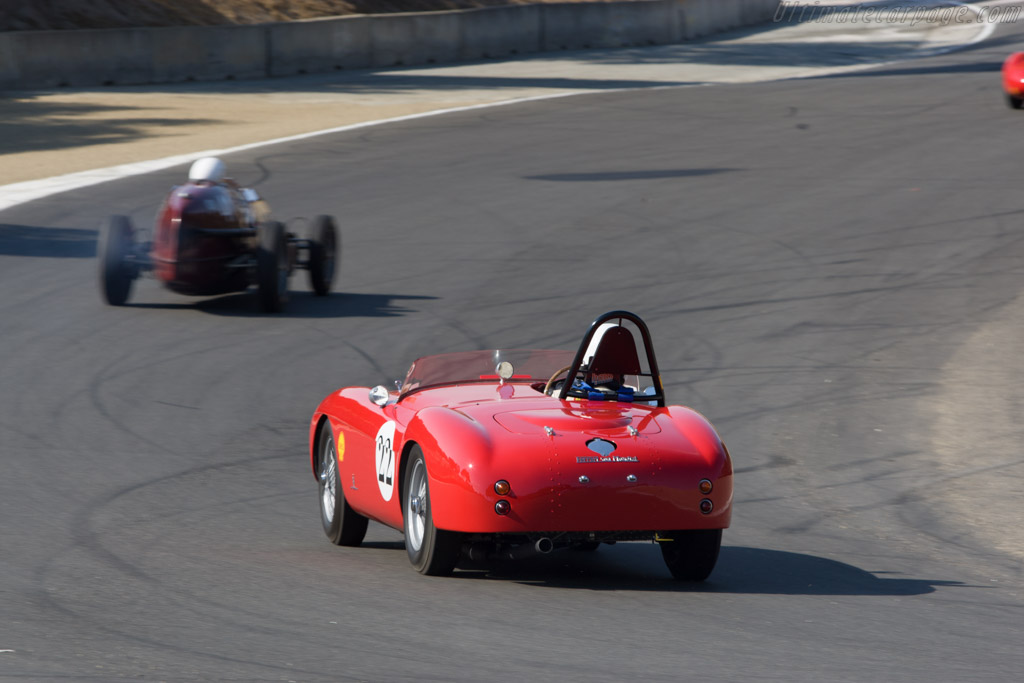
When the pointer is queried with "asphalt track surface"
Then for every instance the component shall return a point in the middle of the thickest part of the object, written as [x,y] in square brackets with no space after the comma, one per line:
[814,258]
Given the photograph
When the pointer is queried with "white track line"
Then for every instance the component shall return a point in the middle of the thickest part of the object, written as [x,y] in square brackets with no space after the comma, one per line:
[20,193]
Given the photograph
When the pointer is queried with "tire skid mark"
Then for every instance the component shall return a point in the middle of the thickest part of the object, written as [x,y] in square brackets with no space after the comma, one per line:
[163,646]
[154,357]
[94,388]
[65,398]
[370,360]
[90,541]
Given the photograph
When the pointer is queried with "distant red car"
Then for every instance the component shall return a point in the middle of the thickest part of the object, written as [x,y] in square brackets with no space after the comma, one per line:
[513,452]
[213,237]
[1013,80]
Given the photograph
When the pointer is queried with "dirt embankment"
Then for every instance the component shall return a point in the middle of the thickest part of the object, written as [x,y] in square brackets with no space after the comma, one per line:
[42,15]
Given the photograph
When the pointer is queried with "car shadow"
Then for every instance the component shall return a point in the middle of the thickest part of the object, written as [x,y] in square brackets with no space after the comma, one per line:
[299,305]
[34,241]
[383,545]
[740,570]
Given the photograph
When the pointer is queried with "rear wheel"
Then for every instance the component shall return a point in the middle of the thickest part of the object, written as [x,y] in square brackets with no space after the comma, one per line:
[342,524]
[1014,102]
[272,266]
[692,554]
[116,273]
[324,248]
[432,551]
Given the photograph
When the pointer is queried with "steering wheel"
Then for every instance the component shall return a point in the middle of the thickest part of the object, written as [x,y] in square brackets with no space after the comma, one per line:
[551,382]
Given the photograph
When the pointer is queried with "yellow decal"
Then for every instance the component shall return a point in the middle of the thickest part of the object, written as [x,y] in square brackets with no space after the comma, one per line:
[341,446]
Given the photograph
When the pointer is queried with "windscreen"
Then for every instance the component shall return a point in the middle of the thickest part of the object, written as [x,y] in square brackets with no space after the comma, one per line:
[534,365]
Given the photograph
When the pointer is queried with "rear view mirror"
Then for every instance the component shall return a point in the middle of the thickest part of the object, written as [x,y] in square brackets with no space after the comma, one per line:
[379,395]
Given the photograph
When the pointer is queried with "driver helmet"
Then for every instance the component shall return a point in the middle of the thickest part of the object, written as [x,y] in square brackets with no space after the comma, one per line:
[208,169]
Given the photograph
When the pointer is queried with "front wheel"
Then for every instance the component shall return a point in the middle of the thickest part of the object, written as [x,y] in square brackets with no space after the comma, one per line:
[324,252]
[692,554]
[117,240]
[342,524]
[272,266]
[432,551]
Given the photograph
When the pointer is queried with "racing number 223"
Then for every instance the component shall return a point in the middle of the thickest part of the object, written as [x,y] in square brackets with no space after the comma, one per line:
[385,447]
[385,460]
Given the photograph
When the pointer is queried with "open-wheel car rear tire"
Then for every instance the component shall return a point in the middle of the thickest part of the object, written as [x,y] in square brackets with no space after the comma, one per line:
[116,274]
[342,524]
[691,555]
[432,551]
[272,266]
[324,254]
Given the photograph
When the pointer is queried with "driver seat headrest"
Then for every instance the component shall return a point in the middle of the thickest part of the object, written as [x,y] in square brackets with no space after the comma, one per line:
[615,353]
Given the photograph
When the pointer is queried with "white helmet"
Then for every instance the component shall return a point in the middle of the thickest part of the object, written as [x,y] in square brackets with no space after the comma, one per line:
[210,169]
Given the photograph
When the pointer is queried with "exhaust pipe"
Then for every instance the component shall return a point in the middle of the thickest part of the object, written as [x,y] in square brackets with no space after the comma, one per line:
[542,546]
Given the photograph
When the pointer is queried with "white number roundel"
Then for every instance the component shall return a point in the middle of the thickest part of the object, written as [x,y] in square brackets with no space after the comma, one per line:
[385,446]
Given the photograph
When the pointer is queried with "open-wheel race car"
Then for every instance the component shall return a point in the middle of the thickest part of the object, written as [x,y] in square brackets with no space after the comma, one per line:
[507,453]
[1013,80]
[213,237]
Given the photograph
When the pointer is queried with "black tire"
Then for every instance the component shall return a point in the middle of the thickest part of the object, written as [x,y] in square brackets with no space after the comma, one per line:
[116,242]
[272,266]
[432,551]
[324,253]
[1014,102]
[342,524]
[691,555]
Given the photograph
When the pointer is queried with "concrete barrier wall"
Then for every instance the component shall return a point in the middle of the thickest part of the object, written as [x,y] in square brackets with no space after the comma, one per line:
[224,52]
[308,46]
[498,32]
[48,59]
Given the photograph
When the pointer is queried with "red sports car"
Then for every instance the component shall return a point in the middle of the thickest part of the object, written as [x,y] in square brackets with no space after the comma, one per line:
[1013,80]
[512,452]
[213,237]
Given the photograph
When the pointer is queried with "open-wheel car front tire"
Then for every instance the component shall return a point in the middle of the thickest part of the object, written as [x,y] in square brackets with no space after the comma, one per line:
[342,524]
[432,551]
[272,266]
[116,243]
[324,254]
[691,555]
